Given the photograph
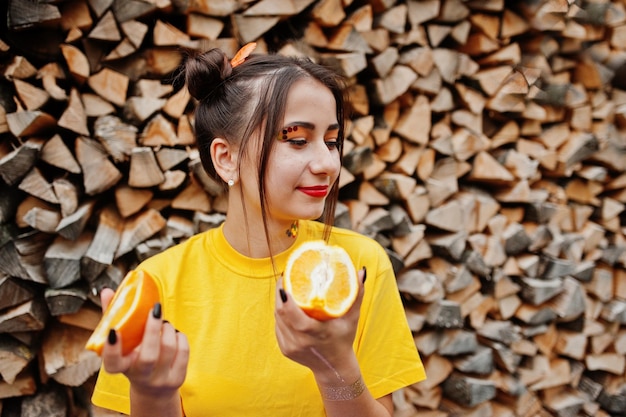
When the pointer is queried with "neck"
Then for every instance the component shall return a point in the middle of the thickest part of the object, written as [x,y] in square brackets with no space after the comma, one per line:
[250,238]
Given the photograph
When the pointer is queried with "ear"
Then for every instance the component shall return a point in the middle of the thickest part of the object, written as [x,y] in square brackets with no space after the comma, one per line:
[224,157]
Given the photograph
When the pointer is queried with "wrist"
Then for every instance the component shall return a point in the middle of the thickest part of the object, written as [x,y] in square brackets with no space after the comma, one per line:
[343,392]
[155,402]
[338,371]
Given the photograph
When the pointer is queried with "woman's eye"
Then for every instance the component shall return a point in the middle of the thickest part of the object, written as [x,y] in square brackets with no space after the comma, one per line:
[332,144]
[297,142]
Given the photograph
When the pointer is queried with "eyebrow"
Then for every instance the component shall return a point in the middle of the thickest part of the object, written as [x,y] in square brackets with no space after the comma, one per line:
[311,126]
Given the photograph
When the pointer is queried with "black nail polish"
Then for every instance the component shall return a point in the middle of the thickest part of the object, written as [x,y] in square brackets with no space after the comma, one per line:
[156,311]
[112,339]
[283,295]
[364,274]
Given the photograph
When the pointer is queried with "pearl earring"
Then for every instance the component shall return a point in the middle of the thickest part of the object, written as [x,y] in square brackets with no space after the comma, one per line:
[231,182]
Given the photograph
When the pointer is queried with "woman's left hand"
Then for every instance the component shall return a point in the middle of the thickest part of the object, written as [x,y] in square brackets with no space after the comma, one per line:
[323,346]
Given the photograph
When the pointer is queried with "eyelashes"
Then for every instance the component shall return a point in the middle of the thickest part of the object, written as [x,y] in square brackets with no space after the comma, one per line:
[284,134]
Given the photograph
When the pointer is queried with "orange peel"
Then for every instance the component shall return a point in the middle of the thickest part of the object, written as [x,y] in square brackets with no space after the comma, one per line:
[127,313]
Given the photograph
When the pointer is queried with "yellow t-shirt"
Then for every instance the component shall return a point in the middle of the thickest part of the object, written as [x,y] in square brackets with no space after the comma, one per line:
[224,303]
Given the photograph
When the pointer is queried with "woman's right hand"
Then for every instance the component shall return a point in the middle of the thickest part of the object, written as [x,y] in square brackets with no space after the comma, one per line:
[158,366]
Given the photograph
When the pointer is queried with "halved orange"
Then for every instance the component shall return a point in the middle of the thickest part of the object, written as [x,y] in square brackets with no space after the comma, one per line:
[321,279]
[127,312]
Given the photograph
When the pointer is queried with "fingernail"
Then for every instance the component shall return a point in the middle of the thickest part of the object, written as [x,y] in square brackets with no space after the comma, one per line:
[156,311]
[364,274]
[283,295]
[112,339]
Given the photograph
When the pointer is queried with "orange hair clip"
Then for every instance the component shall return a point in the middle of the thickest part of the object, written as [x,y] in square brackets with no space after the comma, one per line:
[242,54]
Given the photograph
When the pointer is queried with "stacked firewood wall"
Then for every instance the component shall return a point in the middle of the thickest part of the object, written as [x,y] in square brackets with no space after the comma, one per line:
[486,152]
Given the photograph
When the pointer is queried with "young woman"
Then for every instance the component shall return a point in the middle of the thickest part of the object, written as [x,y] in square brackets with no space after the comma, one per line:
[226,339]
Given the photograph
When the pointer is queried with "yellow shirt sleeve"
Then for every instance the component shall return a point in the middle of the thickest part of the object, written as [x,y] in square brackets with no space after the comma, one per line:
[384,344]
[111,392]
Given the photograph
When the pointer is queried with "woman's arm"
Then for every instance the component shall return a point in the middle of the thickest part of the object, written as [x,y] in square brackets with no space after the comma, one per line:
[156,369]
[150,406]
[351,398]
[326,348]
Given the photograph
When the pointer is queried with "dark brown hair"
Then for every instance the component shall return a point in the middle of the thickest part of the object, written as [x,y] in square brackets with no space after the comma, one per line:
[233,103]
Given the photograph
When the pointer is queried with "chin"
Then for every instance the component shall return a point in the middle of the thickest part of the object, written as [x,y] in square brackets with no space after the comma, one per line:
[300,210]
[310,215]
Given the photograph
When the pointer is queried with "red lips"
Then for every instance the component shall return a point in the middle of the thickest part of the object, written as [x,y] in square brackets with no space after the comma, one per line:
[318,191]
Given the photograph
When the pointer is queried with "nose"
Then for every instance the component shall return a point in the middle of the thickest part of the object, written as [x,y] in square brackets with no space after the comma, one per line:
[324,160]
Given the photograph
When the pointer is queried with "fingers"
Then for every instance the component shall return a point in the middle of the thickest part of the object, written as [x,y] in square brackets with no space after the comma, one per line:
[179,364]
[106,295]
[160,360]
[288,310]
[281,297]
[164,353]
[170,366]
[150,347]
[356,307]
[112,358]
[286,337]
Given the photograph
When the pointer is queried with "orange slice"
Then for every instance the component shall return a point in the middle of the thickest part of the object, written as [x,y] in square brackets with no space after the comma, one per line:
[321,279]
[127,312]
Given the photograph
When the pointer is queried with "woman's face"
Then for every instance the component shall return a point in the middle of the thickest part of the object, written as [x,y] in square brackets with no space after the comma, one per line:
[305,161]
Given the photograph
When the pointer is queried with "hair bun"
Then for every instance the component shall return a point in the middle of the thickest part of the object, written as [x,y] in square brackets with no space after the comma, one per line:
[205,72]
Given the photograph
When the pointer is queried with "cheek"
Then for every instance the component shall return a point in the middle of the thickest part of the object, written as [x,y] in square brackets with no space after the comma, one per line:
[283,171]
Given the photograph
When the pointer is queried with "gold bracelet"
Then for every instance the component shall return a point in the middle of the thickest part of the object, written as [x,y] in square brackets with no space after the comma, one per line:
[343,393]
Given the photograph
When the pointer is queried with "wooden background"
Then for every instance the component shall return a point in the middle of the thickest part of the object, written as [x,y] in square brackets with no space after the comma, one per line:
[486,152]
